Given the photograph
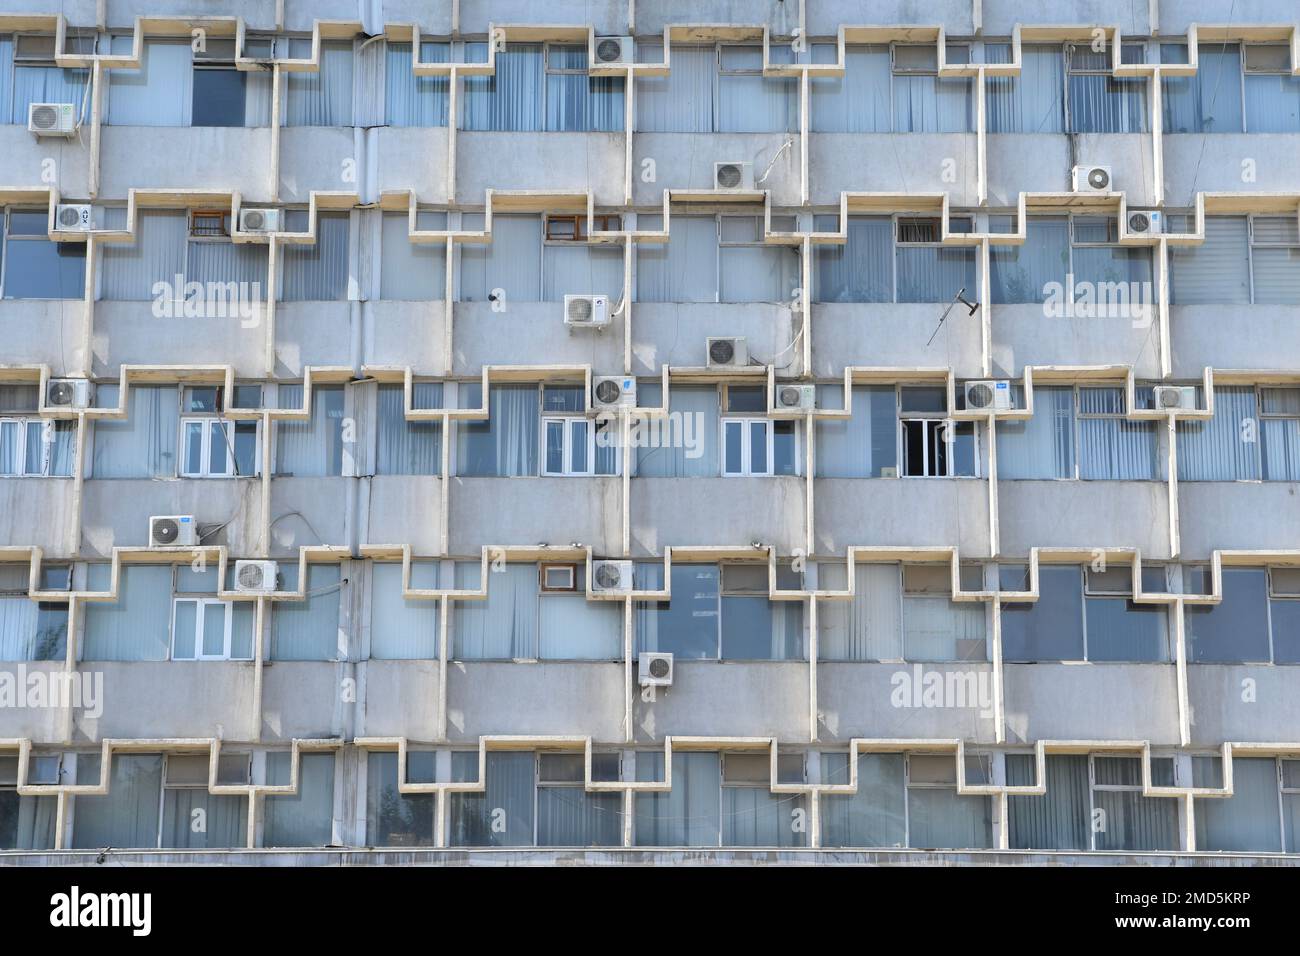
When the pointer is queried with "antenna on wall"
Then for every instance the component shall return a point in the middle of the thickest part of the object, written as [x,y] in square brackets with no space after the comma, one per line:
[959,297]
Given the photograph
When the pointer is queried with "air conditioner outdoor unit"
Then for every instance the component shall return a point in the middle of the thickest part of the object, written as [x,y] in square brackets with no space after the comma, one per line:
[1146,222]
[69,393]
[609,391]
[611,576]
[796,396]
[1091,179]
[992,393]
[172,531]
[259,220]
[259,576]
[72,217]
[615,50]
[733,176]
[655,669]
[52,119]
[727,353]
[586,311]
[1175,396]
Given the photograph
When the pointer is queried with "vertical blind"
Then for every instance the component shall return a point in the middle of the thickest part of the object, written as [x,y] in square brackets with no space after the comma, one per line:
[506,444]
[143,445]
[411,100]
[322,97]
[314,447]
[1041,446]
[693,412]
[869,626]
[864,444]
[512,261]
[408,447]
[318,272]
[308,630]
[408,271]
[1217,449]
[1032,102]
[307,817]
[400,628]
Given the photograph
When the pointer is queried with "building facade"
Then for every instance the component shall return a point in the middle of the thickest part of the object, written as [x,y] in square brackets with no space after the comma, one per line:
[639,430]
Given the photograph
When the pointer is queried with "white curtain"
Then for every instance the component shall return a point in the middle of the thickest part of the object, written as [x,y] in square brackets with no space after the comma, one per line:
[1019,274]
[874,816]
[1033,101]
[504,446]
[411,100]
[693,415]
[511,100]
[510,788]
[504,626]
[573,628]
[864,444]
[858,102]
[929,104]
[136,626]
[688,815]
[127,816]
[750,102]
[577,268]
[1210,101]
[322,98]
[512,261]
[937,628]
[143,445]
[868,627]
[410,272]
[1100,103]
[129,271]
[308,630]
[1060,818]
[319,272]
[1215,450]
[1218,270]
[408,447]
[860,270]
[160,93]
[685,269]
[314,447]
[400,628]
[576,102]
[1041,446]
[305,818]
[49,84]
[1113,448]
[1248,821]
[6,71]
[30,630]
[682,101]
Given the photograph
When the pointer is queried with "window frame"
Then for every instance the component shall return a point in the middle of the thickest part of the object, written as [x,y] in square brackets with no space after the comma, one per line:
[201,602]
[48,431]
[208,424]
[746,425]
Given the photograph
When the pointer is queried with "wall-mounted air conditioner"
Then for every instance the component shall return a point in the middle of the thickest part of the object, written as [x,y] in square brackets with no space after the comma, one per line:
[1091,179]
[609,391]
[802,397]
[256,576]
[69,393]
[259,220]
[52,119]
[1175,396]
[73,217]
[610,50]
[610,576]
[655,669]
[172,531]
[727,352]
[1146,222]
[586,311]
[990,393]
[733,176]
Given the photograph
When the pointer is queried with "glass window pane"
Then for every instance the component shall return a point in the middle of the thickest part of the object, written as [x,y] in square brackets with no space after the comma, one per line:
[732,436]
[214,629]
[758,448]
[1050,629]
[184,627]
[218,98]
[578,429]
[218,449]
[193,448]
[555,448]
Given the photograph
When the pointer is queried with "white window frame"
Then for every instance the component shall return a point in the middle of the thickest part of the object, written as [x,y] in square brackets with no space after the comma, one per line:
[746,467]
[23,423]
[200,610]
[209,424]
[947,427]
[567,469]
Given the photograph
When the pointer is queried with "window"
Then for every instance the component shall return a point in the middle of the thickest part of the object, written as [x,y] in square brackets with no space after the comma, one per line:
[899,259]
[746,446]
[1050,629]
[36,78]
[1080,432]
[934,446]
[578,446]
[394,818]
[1252,820]
[1117,628]
[541,87]
[36,447]
[715,88]
[923,102]
[503,814]
[1272,93]
[1210,101]
[1241,628]
[688,815]
[411,100]
[408,447]
[1096,101]
[752,815]
[576,102]
[890,89]
[403,628]
[218,88]
[1109,280]
[570,815]
[313,447]
[194,819]
[130,814]
[135,627]
[214,448]
[865,445]
[308,630]
[321,97]
[715,259]
[318,272]
[203,629]
[1093,802]
[307,817]
[29,630]
[26,823]
[935,627]
[1227,446]
[36,267]
[1034,101]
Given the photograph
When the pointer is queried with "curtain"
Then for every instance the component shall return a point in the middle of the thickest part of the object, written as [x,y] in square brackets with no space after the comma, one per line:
[1119,630]
[754,272]
[1210,101]
[858,102]
[1214,450]
[1043,445]
[933,273]
[322,98]
[157,94]
[868,627]
[749,102]
[1108,265]
[411,100]
[1275,266]
[688,815]
[1248,821]
[134,627]
[222,820]
[27,823]
[754,816]
[1051,628]
[1031,102]
[930,104]
[408,271]
[408,447]
[1280,436]
[311,448]
[1272,103]
[504,626]
[511,100]
[685,269]
[687,625]
[128,272]
[1100,103]
[1019,274]
[143,445]
[570,816]
[127,816]
[225,262]
[1058,819]
[874,816]
[688,446]
[682,101]
[756,628]
[394,818]
[32,630]
[576,268]
[320,272]
[308,630]
[507,799]
[6,71]
[940,819]
[307,817]
[1114,448]
[936,628]
[861,270]
[576,102]
[573,628]
[864,444]
[36,267]
[49,84]
[505,446]
[1128,820]
[512,262]
[1216,271]
[400,628]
